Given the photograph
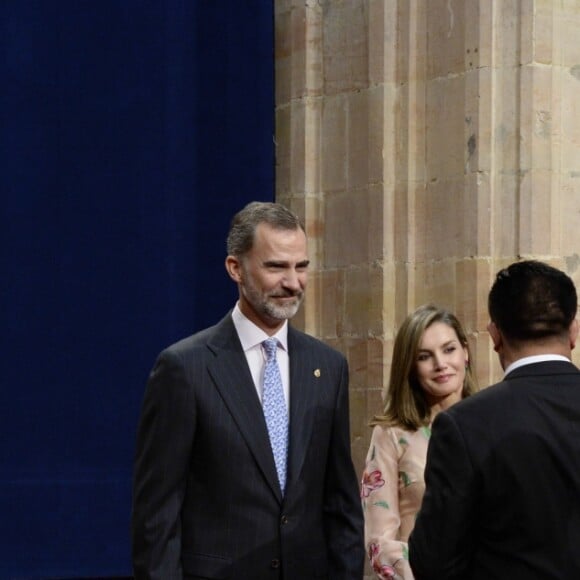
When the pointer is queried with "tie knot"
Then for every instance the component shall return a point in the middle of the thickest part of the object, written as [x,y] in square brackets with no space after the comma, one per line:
[270,346]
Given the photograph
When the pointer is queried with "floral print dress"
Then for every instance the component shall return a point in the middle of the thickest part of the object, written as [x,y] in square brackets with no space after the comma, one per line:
[392,488]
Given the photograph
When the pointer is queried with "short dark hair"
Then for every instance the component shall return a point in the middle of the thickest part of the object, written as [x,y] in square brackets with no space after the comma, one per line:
[243,227]
[530,300]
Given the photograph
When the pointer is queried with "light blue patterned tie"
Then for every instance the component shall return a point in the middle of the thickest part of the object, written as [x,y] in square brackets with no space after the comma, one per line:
[275,409]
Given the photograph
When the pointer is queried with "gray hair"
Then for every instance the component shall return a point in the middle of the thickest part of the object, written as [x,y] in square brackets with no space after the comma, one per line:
[243,227]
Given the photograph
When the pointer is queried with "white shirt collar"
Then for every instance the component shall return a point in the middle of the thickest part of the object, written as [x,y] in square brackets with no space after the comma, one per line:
[252,335]
[528,360]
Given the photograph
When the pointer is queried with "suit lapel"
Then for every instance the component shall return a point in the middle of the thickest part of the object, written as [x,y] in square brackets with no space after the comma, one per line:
[231,375]
[303,389]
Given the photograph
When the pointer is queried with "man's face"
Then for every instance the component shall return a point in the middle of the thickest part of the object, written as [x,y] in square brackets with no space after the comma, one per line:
[272,276]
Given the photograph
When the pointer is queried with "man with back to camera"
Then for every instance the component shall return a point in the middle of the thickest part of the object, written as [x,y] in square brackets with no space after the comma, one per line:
[502,496]
[243,467]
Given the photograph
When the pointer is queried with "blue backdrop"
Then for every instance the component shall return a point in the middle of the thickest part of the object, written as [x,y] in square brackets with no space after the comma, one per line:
[131,132]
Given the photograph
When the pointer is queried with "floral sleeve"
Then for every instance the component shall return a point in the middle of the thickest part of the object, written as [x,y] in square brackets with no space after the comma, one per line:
[380,499]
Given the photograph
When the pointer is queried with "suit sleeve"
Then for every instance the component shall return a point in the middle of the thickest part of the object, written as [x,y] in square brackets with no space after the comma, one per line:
[442,542]
[343,518]
[164,441]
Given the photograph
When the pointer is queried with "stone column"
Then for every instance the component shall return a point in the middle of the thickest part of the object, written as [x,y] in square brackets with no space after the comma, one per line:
[427,143]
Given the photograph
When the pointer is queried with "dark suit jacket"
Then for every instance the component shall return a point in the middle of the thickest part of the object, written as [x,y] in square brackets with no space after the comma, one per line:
[503,482]
[207,502]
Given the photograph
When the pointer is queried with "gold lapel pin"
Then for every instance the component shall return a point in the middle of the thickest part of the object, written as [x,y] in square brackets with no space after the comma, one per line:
[317,373]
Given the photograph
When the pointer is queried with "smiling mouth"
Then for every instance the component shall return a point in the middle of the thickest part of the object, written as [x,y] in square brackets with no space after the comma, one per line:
[285,296]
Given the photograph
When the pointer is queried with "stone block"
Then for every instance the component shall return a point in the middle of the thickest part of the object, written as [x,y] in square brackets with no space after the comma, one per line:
[427,144]
[375,309]
[333,144]
[383,42]
[380,230]
[445,38]
[569,126]
[473,279]
[345,46]
[377,368]
[435,283]
[446,145]
[346,229]
[505,214]
[440,215]
[567,24]
[312,152]
[358,140]
[357,302]
[570,219]
[282,56]
[298,138]
[538,226]
[358,363]
[331,303]
[543,40]
[283,151]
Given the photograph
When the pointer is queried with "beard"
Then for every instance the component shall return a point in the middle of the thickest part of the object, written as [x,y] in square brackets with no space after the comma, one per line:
[264,303]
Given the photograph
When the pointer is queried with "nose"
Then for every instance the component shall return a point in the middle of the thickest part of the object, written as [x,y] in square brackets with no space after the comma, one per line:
[292,280]
[439,361]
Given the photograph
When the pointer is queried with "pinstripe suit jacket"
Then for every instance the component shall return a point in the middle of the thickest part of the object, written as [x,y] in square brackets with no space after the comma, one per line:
[503,482]
[206,498]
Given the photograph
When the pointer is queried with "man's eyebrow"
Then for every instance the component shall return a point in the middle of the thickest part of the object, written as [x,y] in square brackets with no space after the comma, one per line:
[283,263]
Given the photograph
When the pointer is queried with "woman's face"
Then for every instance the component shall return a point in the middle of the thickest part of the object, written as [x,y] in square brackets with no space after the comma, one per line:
[441,363]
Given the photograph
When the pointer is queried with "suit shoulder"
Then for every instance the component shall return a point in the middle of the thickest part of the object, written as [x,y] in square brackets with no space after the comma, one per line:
[306,341]
[222,333]
[190,342]
[490,402]
[487,396]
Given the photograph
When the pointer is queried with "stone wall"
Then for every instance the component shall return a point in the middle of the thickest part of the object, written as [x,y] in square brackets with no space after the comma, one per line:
[426,143]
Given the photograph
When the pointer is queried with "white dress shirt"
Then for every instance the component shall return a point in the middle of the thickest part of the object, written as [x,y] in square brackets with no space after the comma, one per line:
[251,337]
[528,360]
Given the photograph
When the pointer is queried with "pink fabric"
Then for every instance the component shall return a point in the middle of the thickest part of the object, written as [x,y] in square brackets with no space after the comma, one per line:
[391,490]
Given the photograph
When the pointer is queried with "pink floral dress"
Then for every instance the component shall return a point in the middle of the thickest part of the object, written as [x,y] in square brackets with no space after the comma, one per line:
[392,489]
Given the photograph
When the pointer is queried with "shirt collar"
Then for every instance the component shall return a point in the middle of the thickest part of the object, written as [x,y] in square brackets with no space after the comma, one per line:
[252,335]
[528,360]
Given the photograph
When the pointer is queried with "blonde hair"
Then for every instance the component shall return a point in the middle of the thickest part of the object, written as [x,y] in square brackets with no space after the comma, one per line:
[405,402]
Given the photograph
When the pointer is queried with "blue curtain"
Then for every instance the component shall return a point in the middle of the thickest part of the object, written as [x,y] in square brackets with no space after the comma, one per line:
[131,132]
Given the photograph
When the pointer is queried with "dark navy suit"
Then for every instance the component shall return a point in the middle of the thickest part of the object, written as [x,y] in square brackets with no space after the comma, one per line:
[207,503]
[503,482]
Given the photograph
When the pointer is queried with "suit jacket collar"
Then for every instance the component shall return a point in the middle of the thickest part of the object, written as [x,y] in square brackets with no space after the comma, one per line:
[231,376]
[242,400]
[552,367]
[527,360]
[303,391]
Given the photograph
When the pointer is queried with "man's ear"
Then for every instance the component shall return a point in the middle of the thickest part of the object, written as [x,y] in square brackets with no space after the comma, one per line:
[573,333]
[234,269]
[495,335]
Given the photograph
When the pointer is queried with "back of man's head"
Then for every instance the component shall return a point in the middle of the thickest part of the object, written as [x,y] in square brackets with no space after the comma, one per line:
[530,300]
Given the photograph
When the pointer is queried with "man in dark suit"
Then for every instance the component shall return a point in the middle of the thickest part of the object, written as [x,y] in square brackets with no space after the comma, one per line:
[502,478]
[214,497]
